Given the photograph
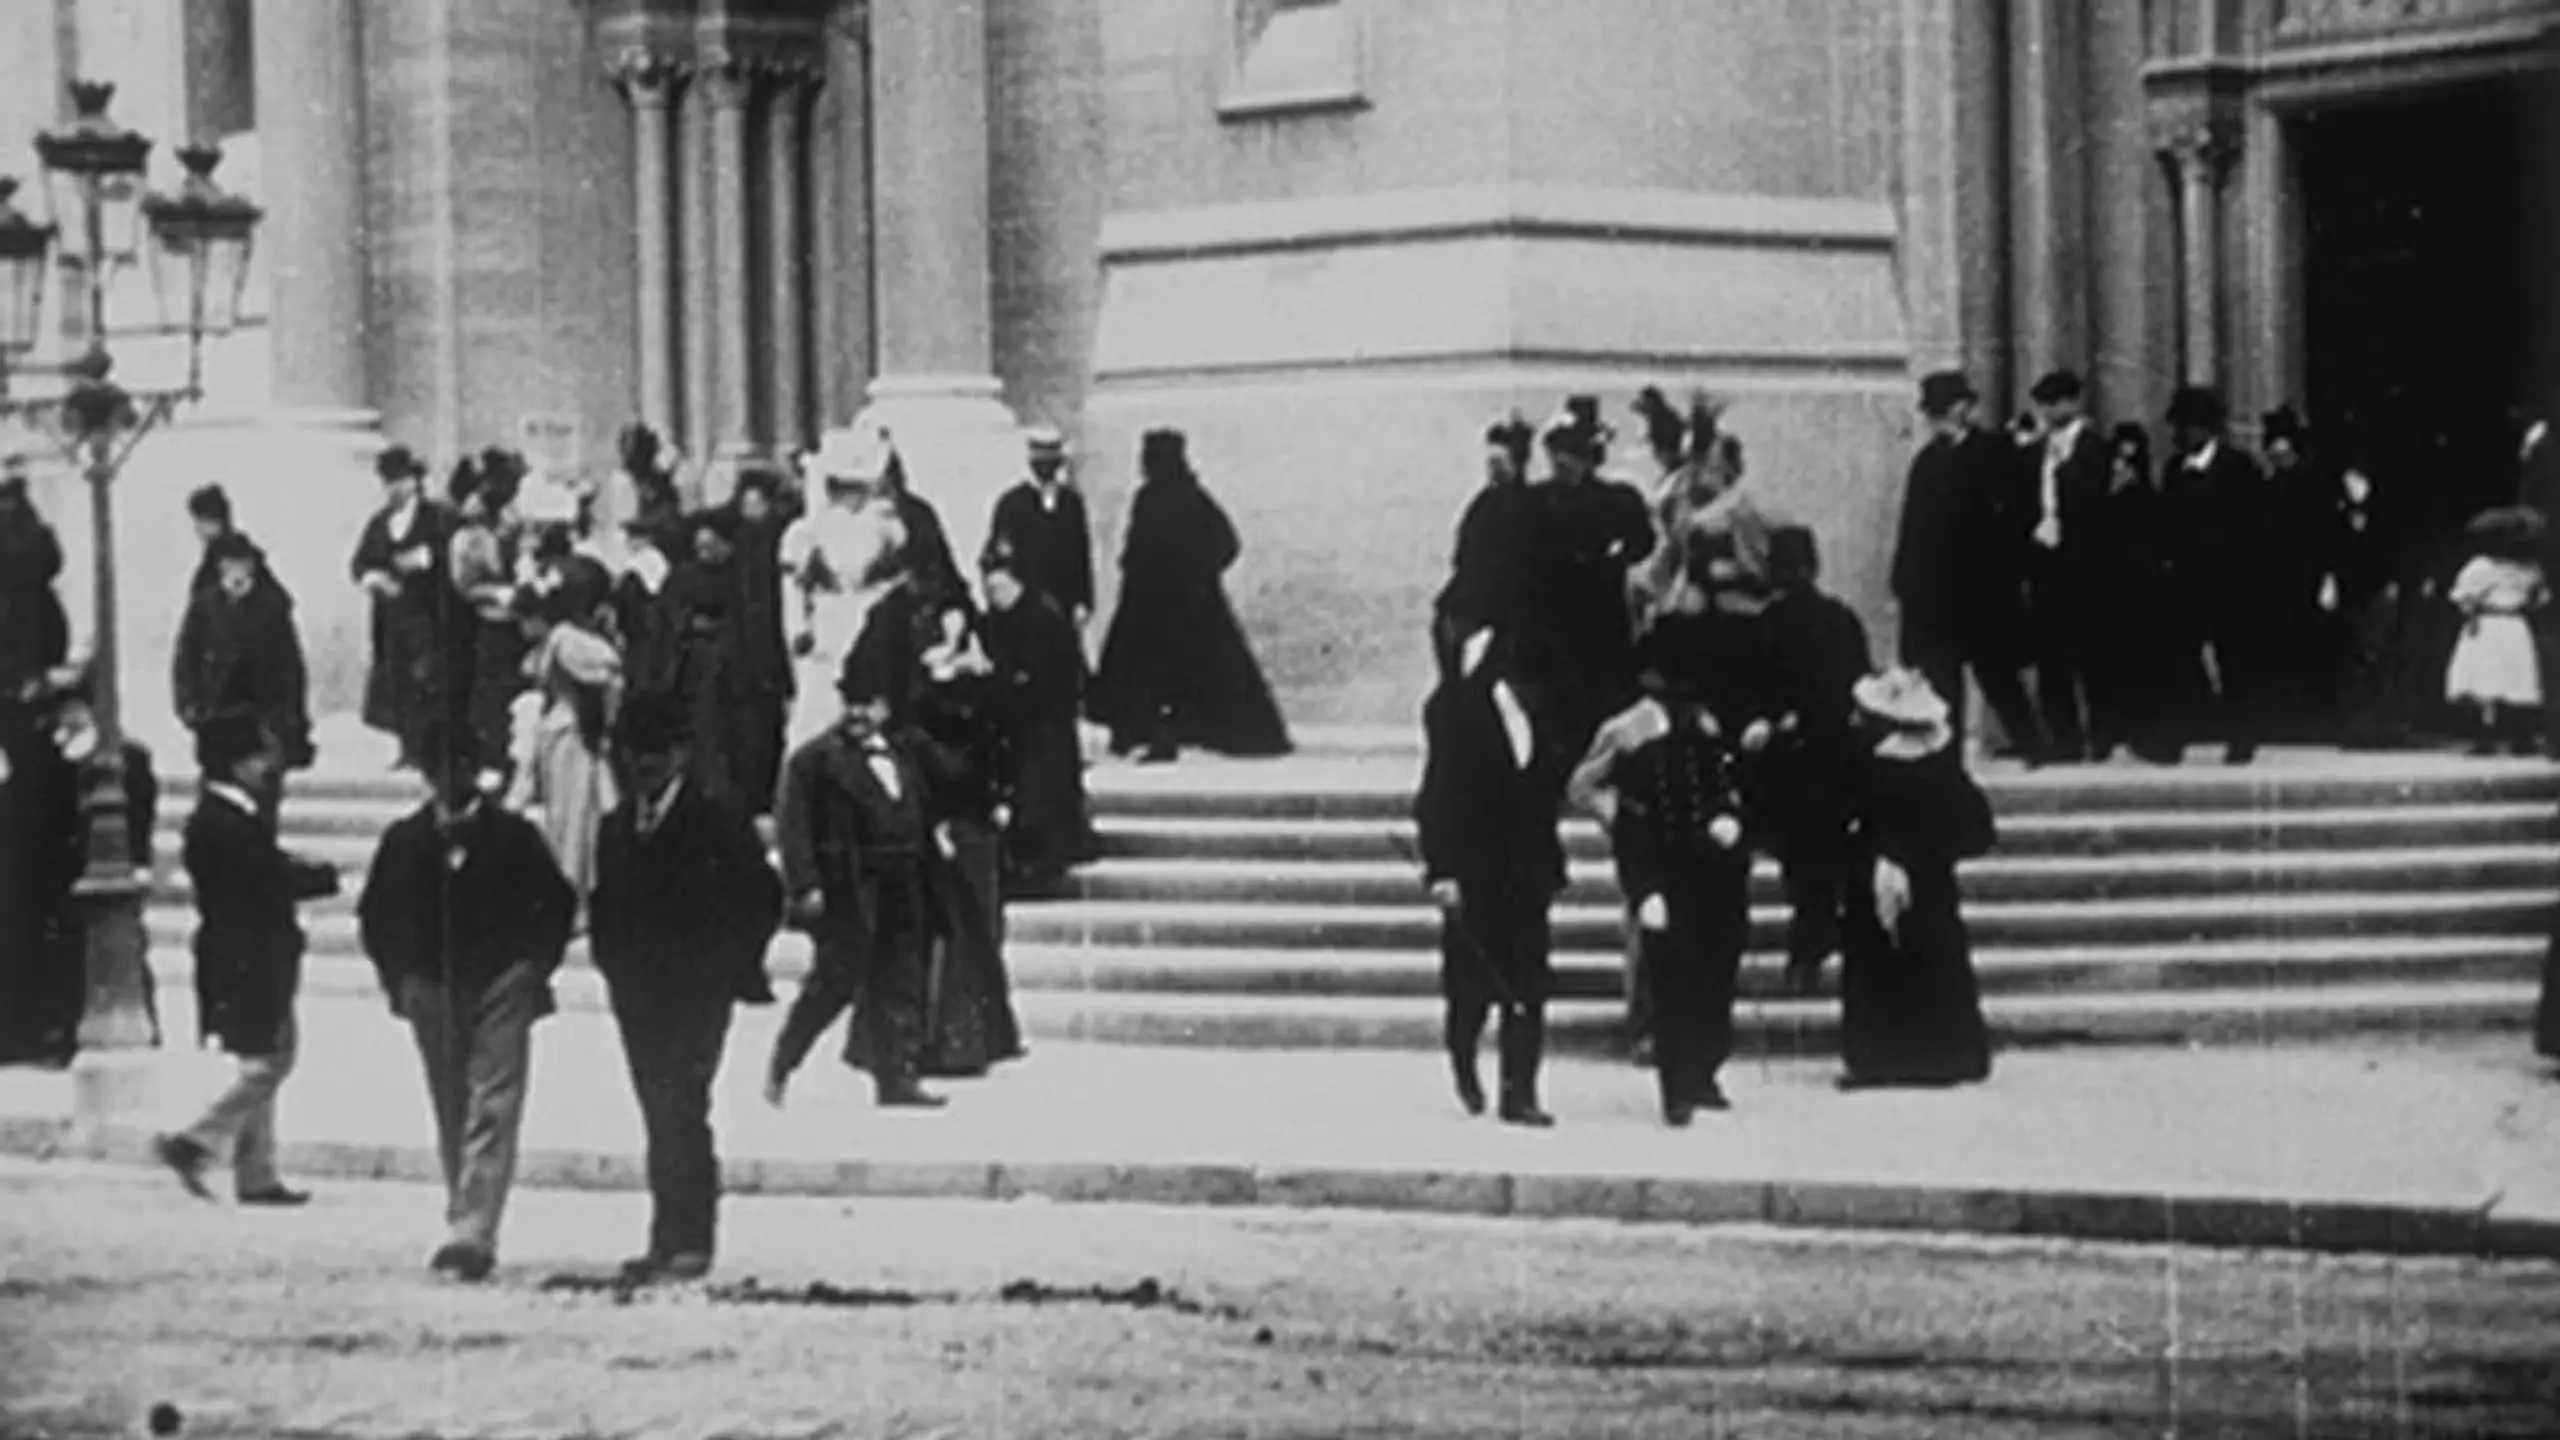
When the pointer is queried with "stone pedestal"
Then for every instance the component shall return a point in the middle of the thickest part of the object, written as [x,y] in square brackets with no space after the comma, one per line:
[961,445]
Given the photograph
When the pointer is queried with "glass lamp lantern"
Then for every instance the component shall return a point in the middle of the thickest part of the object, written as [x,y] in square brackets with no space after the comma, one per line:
[93,171]
[25,250]
[200,251]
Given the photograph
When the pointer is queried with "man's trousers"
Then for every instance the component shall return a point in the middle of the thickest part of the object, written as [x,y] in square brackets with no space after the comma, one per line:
[478,1051]
[1695,961]
[1495,952]
[244,1116]
[673,1044]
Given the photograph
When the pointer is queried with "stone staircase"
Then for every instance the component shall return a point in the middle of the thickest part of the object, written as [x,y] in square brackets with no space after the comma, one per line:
[1276,904]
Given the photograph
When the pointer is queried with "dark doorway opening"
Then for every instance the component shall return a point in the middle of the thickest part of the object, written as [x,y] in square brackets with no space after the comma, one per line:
[2428,285]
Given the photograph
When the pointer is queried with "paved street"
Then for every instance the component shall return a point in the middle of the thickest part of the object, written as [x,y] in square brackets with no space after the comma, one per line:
[120,1293]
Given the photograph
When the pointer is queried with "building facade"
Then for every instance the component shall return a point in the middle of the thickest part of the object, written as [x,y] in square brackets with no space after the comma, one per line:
[1328,238]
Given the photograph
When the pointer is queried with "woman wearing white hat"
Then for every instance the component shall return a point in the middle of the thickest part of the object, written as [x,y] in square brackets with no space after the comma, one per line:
[1910,1007]
[838,559]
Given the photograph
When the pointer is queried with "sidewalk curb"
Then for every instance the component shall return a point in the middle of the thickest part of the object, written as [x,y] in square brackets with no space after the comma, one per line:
[2121,1217]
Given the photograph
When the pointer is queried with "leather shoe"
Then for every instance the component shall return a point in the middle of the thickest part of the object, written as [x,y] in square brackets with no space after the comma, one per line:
[187,1160]
[908,1095]
[1470,1086]
[1526,1114]
[279,1196]
[1710,1096]
[684,1265]
[1676,1113]
[463,1261]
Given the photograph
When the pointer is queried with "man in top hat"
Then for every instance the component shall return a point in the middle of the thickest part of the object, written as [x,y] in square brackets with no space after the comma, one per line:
[1958,562]
[248,950]
[401,561]
[1042,523]
[465,915]
[2065,472]
[857,856]
[1486,815]
[2232,530]
[1664,779]
[35,632]
[1484,570]
[684,906]
[1585,533]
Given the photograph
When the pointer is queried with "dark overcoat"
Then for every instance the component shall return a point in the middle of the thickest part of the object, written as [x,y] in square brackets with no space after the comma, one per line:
[684,914]
[249,942]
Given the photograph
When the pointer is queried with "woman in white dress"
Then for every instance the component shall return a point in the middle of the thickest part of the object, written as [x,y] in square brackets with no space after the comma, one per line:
[2495,668]
[837,561]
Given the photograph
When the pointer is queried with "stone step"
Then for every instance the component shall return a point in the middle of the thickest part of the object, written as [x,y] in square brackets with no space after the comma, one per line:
[1590,1018]
[1995,879]
[1116,926]
[2089,970]
[2061,833]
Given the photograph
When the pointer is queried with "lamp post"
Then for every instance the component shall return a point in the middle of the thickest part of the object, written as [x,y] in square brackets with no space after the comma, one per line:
[94,170]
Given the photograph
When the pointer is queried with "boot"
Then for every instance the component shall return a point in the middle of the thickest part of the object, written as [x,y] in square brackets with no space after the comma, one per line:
[1523,1036]
[902,1092]
[1462,1067]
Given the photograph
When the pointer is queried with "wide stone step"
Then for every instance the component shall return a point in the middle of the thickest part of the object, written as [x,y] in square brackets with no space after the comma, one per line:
[1246,974]
[2110,833]
[1129,925]
[1766,1025]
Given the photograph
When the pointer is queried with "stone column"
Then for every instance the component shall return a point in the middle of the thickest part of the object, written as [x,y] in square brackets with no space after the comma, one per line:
[310,73]
[840,223]
[937,394]
[2048,152]
[693,198]
[1954,190]
[786,261]
[730,85]
[652,84]
[2198,157]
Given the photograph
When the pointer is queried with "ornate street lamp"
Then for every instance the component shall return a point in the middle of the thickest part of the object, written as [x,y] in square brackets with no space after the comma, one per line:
[93,171]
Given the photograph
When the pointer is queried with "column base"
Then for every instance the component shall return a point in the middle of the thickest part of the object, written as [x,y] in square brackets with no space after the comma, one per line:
[118,1093]
[962,446]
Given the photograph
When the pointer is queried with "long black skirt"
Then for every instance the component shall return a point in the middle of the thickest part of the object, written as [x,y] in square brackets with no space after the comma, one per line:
[969,1023]
[1910,1007]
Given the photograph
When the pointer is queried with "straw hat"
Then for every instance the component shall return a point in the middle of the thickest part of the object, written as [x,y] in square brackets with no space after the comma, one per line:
[1914,715]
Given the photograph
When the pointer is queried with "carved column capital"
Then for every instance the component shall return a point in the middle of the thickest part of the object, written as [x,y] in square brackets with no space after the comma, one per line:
[2205,149]
[649,79]
[728,80]
[852,20]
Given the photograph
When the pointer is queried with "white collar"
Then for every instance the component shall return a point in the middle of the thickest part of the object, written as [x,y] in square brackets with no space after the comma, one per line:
[2068,435]
[2203,459]
[654,809]
[238,798]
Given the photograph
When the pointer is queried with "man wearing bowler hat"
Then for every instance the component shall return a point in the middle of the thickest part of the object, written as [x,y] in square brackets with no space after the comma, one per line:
[1957,564]
[1042,523]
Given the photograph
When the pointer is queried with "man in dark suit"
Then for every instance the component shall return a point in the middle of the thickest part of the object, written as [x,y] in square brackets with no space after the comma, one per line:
[1486,812]
[2065,472]
[2231,529]
[1818,653]
[1484,587]
[683,909]
[1042,522]
[856,867]
[248,951]
[466,915]
[1957,562]
[1582,532]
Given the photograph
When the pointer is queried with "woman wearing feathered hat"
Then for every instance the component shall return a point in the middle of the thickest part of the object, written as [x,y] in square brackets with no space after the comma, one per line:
[400,561]
[1910,1007]
[1175,668]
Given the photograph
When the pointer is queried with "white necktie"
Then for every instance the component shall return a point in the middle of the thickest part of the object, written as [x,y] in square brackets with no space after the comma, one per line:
[2049,530]
[1515,724]
[886,770]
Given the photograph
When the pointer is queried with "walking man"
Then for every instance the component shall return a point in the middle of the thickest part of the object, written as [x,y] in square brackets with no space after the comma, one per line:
[1956,563]
[1486,812]
[466,915]
[855,864]
[684,907]
[2067,467]
[248,950]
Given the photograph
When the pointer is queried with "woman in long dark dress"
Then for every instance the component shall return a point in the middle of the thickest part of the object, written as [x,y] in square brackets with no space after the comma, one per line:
[41,984]
[958,743]
[1175,669]
[1039,676]
[1911,1009]
[400,560]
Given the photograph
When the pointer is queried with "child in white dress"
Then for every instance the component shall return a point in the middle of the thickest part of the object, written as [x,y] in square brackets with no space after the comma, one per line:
[2494,666]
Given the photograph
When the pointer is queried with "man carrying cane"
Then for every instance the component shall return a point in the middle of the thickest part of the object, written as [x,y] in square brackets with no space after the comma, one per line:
[1487,816]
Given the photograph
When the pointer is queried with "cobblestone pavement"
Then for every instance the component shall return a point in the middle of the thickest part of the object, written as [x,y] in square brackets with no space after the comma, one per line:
[117,1293]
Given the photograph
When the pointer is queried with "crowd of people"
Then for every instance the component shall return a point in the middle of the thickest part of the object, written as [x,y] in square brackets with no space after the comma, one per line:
[1658,652]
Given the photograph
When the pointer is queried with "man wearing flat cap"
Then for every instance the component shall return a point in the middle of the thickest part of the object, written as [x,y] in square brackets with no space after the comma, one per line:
[1041,522]
[1958,562]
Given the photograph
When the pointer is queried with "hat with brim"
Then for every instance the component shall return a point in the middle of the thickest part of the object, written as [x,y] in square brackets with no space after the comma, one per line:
[1902,702]
[847,457]
[2199,407]
[2507,525]
[1945,390]
[399,462]
[1045,443]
